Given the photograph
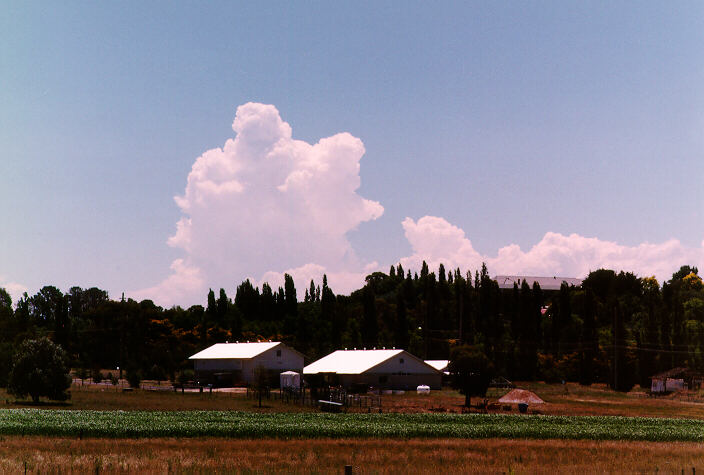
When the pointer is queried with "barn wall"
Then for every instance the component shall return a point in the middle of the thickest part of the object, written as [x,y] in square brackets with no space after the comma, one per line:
[404,363]
[407,382]
[243,369]
[289,360]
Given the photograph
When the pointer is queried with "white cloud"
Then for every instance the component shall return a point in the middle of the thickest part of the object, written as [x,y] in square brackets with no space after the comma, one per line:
[13,288]
[436,241]
[265,202]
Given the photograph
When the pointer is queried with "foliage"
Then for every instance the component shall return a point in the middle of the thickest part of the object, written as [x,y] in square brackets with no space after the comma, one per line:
[472,371]
[134,377]
[96,375]
[617,328]
[40,368]
[316,425]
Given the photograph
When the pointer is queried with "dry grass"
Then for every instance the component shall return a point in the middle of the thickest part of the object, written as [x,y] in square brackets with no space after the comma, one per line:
[106,398]
[571,399]
[58,455]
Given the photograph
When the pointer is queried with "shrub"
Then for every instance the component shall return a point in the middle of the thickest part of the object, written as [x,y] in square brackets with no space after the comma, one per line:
[96,375]
[134,377]
[185,376]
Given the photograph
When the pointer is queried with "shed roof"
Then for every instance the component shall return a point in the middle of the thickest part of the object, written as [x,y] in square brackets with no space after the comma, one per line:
[517,396]
[352,361]
[545,283]
[681,372]
[234,350]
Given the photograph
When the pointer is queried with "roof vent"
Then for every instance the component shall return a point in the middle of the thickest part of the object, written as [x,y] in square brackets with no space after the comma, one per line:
[226,342]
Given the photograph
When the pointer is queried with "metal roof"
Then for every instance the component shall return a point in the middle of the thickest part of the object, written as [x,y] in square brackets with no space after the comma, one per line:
[545,283]
[234,350]
[350,361]
[440,365]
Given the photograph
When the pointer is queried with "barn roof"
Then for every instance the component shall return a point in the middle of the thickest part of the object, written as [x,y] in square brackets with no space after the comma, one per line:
[234,350]
[545,283]
[440,365]
[354,361]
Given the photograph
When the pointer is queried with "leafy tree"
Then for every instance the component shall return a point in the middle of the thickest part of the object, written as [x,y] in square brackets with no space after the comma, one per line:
[471,370]
[40,368]
[370,326]
[134,377]
[683,272]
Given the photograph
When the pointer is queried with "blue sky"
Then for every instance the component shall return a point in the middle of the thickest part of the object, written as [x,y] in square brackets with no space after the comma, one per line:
[507,120]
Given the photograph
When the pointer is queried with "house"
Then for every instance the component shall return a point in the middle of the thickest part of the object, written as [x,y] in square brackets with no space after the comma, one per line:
[383,369]
[545,283]
[229,364]
[675,379]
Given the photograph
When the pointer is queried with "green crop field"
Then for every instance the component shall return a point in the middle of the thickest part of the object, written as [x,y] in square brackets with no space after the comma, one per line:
[138,424]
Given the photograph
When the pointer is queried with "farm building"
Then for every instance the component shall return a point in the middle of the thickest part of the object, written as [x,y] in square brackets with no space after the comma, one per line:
[230,364]
[440,365]
[384,369]
[545,283]
[675,379]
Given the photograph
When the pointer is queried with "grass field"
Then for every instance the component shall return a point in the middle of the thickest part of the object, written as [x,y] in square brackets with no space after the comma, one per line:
[309,442]
[571,399]
[137,424]
[64,455]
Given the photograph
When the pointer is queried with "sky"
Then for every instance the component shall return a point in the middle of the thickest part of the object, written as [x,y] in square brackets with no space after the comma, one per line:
[163,148]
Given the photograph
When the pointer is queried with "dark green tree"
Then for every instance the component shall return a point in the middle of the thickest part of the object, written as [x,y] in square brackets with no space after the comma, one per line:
[40,369]
[471,371]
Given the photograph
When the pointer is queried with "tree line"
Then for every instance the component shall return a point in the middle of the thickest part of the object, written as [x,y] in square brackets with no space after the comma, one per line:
[616,328]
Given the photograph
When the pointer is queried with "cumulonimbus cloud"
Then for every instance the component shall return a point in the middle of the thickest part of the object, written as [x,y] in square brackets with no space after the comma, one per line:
[264,204]
[437,241]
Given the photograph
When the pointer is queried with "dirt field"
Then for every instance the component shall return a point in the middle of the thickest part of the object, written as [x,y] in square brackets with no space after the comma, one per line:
[570,399]
[330,456]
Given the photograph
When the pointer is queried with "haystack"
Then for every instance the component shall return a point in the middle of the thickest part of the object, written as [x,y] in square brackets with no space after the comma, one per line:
[518,396]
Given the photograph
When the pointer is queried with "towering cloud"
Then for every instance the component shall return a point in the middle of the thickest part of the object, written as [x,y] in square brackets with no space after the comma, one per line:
[436,241]
[263,204]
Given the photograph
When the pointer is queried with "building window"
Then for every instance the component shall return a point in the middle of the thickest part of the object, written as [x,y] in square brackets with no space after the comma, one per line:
[401,361]
[278,353]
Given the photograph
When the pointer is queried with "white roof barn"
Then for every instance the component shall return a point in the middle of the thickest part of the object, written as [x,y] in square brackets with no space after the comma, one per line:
[227,364]
[234,350]
[391,369]
[440,365]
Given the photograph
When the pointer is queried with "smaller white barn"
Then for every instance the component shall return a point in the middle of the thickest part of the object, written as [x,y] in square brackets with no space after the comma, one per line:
[230,364]
[440,365]
[384,369]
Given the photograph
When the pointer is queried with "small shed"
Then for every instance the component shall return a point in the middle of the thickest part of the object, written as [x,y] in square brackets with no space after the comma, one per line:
[290,379]
[675,379]
[520,396]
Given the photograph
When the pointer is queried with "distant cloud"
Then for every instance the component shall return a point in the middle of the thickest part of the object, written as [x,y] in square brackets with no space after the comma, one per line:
[436,241]
[13,288]
[265,203]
